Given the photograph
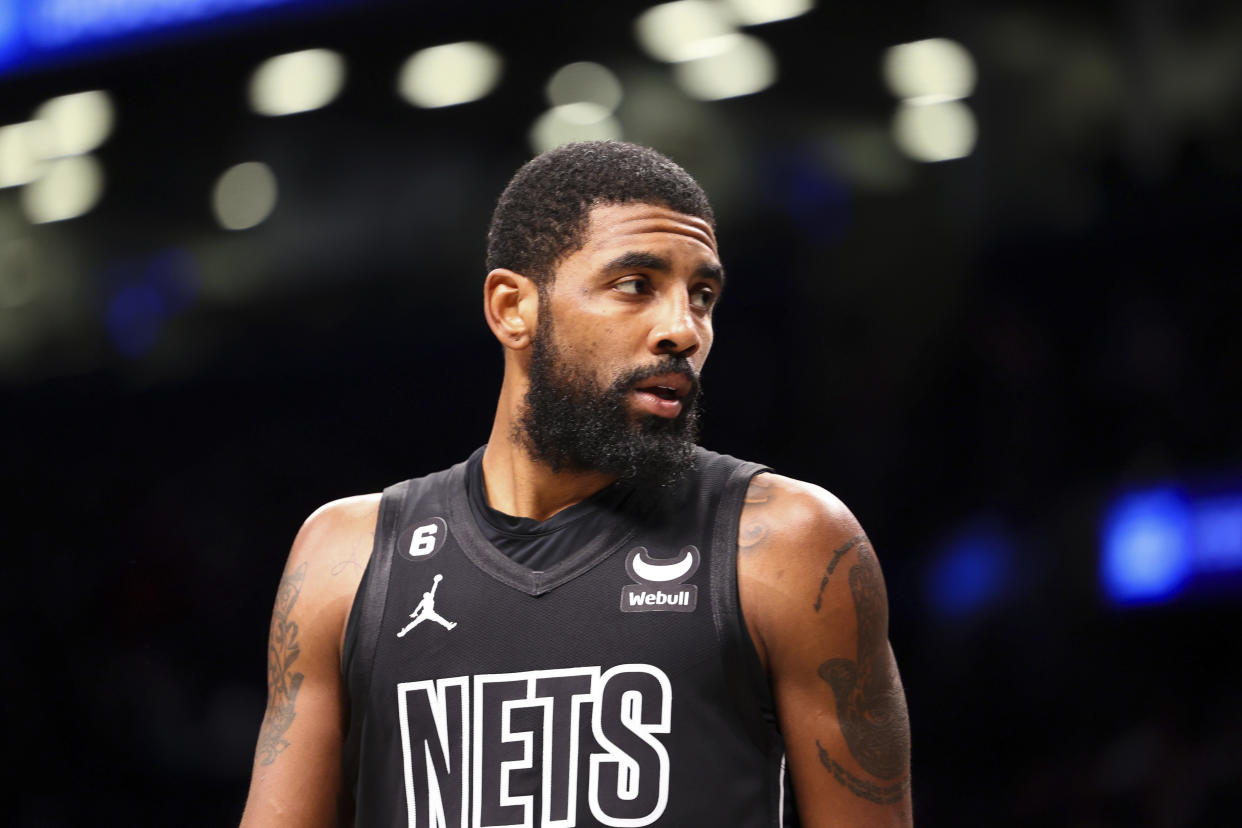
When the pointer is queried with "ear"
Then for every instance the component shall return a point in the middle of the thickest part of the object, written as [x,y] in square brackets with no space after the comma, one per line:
[511,307]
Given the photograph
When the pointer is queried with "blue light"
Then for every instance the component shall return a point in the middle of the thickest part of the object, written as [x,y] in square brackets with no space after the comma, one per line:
[39,31]
[54,23]
[972,571]
[9,30]
[1218,534]
[1147,554]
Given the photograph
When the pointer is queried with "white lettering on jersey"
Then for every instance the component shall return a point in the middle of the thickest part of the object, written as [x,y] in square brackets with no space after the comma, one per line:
[658,583]
[423,541]
[435,747]
[506,750]
[637,598]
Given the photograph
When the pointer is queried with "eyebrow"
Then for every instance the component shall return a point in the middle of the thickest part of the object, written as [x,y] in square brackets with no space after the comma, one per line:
[636,259]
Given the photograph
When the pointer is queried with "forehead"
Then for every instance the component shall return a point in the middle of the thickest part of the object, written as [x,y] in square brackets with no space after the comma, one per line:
[615,226]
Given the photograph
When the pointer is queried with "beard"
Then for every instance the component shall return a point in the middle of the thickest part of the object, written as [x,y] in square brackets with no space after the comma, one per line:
[570,422]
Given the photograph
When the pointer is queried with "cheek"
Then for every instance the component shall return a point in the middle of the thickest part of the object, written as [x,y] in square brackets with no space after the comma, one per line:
[705,345]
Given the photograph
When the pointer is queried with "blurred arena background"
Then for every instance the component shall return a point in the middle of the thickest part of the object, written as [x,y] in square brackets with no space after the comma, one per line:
[985,285]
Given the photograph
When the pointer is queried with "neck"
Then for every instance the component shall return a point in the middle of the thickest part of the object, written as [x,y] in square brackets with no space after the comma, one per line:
[518,484]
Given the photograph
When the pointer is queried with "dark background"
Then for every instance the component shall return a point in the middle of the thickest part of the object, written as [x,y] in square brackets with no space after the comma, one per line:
[985,350]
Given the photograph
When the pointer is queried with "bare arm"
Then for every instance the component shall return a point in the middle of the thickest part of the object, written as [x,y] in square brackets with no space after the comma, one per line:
[296,779]
[815,604]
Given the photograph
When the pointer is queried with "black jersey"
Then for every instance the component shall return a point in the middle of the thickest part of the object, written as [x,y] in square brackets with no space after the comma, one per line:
[618,687]
[541,544]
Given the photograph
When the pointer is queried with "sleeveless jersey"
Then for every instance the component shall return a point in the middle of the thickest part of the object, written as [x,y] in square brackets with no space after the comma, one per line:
[617,688]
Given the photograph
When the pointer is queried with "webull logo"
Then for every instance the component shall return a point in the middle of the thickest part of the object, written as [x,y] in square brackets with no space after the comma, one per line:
[659,583]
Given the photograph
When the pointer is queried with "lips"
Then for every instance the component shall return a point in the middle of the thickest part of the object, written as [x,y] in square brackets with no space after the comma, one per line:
[666,386]
[662,394]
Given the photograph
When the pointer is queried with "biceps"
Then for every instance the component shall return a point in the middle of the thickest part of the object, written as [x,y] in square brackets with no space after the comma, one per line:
[297,767]
[847,737]
[840,699]
[871,712]
[296,777]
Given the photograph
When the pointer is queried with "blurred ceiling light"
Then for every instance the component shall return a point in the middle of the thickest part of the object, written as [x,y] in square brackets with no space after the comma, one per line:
[297,82]
[244,196]
[935,132]
[744,65]
[454,73]
[68,188]
[77,123]
[584,82]
[929,71]
[683,30]
[1148,552]
[580,121]
[22,152]
[756,12]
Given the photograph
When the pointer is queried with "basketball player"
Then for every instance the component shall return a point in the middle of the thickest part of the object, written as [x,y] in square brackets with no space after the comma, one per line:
[630,630]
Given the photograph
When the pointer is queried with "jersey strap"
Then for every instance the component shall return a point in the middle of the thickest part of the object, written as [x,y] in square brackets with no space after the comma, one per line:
[749,685]
[362,628]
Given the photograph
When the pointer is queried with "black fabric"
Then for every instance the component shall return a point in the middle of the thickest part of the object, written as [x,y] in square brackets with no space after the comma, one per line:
[524,694]
[362,628]
[541,544]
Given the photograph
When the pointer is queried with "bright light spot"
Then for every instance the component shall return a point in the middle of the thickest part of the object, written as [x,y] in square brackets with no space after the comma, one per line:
[244,196]
[297,82]
[573,122]
[935,132]
[1146,554]
[682,30]
[743,65]
[67,189]
[755,12]
[584,83]
[22,152]
[77,123]
[454,73]
[929,71]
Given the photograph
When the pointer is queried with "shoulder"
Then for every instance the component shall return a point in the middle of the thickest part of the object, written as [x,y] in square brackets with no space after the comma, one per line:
[326,563]
[337,534]
[799,547]
[792,515]
[339,520]
[814,601]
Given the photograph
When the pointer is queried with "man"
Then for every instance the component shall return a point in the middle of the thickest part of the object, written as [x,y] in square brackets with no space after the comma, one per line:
[644,632]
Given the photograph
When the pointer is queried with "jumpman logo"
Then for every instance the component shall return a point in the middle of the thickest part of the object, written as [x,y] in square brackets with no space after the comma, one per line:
[426,610]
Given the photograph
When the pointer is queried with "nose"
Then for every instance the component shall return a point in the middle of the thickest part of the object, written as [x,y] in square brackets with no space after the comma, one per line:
[676,331]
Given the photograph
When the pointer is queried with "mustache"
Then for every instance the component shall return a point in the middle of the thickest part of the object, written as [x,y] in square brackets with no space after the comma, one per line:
[670,365]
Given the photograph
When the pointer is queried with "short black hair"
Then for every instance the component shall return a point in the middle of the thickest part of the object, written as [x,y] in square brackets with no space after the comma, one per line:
[543,213]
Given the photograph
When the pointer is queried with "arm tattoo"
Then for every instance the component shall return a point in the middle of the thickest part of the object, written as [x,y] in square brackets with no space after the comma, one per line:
[871,707]
[352,559]
[283,684]
[832,565]
[754,530]
[879,794]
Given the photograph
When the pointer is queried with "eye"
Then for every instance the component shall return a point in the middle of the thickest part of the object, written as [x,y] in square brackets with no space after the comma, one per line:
[703,297]
[635,286]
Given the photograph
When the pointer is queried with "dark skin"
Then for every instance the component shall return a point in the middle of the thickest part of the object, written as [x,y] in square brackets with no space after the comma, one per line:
[814,602]
[642,286]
